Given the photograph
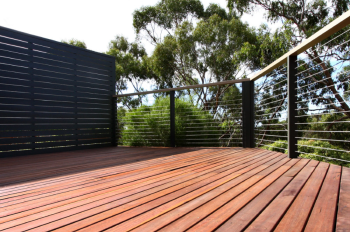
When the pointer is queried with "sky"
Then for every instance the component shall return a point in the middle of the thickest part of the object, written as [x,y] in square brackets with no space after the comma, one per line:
[94,22]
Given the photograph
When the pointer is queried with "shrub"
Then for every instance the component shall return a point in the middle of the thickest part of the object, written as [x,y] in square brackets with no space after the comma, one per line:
[321,123]
[149,125]
[314,147]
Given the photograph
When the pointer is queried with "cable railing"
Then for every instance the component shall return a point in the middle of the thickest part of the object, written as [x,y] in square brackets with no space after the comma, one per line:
[305,111]
[145,125]
[299,105]
[323,123]
[220,125]
[198,122]
[270,113]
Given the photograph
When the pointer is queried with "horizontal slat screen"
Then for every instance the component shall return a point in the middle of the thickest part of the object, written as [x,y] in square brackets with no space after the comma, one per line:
[53,96]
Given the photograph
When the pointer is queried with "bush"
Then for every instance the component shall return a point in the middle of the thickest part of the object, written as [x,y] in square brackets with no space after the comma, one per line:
[318,123]
[314,147]
[149,125]
[279,146]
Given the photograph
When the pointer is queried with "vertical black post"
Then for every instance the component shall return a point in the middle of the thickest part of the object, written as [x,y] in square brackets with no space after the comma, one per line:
[172,119]
[114,121]
[292,107]
[248,113]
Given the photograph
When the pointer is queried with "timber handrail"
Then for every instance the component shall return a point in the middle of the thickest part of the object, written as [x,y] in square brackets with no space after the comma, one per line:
[184,87]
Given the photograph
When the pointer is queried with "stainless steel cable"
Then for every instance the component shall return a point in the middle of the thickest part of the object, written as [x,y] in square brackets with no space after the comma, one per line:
[274,147]
[323,156]
[272,102]
[324,80]
[307,123]
[313,131]
[277,136]
[273,141]
[270,86]
[334,112]
[274,96]
[323,62]
[348,91]
[328,140]
[325,44]
[323,148]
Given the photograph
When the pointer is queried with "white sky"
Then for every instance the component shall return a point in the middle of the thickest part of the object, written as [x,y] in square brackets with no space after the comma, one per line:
[94,22]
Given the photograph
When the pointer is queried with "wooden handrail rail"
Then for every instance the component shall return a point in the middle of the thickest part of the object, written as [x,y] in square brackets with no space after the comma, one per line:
[184,87]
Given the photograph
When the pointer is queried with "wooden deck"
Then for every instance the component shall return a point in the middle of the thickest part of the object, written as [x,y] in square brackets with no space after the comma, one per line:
[172,189]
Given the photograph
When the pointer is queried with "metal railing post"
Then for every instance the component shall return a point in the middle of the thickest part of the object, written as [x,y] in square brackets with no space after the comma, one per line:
[292,107]
[172,119]
[248,113]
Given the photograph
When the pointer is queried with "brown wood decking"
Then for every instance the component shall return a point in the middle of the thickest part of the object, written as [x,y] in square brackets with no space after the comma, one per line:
[172,189]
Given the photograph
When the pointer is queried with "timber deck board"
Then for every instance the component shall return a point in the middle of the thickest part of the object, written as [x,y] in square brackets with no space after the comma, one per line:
[172,189]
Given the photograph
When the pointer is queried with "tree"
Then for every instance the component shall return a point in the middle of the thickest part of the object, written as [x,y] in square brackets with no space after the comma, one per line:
[75,42]
[165,17]
[197,52]
[301,19]
[132,68]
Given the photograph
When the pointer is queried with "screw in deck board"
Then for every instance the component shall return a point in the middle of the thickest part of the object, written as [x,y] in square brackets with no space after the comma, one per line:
[292,107]
[172,119]
[248,113]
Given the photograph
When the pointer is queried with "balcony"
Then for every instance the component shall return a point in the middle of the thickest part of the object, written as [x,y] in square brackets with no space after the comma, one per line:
[73,158]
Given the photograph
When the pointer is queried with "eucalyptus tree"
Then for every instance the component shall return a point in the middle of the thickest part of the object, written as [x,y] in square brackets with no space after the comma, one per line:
[162,19]
[75,42]
[193,45]
[324,71]
[132,68]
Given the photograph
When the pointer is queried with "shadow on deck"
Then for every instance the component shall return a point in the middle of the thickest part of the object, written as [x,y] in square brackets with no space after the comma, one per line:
[172,189]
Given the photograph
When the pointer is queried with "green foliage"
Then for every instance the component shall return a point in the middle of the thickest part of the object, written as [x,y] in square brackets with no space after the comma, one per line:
[132,67]
[279,146]
[75,42]
[163,60]
[323,148]
[149,125]
[194,45]
[330,122]
[216,9]
[310,14]
[202,54]
[320,148]
[166,15]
